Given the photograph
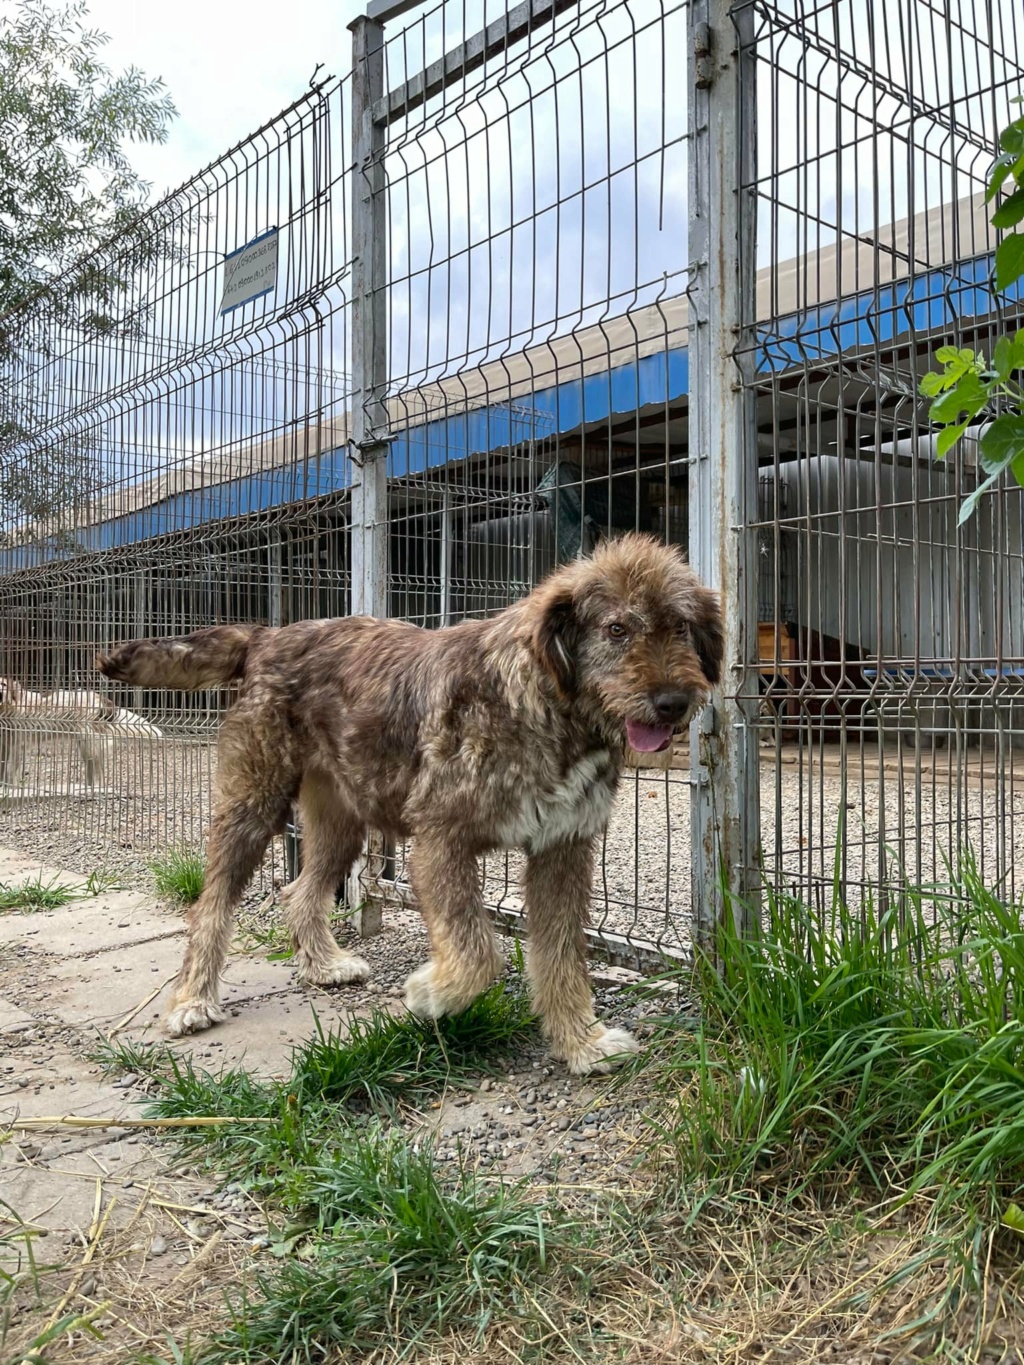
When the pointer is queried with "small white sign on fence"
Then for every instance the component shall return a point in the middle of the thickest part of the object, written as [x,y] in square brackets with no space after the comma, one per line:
[250,272]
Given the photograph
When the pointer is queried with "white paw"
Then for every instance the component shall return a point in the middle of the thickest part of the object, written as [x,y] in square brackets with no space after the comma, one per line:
[339,971]
[603,1050]
[419,994]
[430,998]
[193,1016]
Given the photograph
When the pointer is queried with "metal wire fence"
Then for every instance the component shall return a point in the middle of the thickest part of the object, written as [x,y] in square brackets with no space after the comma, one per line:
[528,284]
[895,634]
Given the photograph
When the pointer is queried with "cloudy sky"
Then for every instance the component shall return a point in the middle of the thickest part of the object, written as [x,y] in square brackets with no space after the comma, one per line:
[228,67]
[559,197]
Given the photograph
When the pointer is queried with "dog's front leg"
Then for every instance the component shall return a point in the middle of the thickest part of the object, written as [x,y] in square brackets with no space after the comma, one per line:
[464,956]
[558,889]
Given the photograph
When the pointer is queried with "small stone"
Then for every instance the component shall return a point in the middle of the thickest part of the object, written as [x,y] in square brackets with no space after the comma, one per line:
[158,1246]
[486,1084]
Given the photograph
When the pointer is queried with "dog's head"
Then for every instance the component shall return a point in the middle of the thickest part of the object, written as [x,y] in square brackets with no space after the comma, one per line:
[10,693]
[632,632]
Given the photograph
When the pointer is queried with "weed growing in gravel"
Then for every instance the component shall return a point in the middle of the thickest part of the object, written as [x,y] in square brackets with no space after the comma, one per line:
[377,1245]
[178,875]
[22,1287]
[51,895]
[391,1242]
[377,1064]
[102,880]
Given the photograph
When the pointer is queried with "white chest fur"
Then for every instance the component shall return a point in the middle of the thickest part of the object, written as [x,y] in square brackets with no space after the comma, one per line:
[576,806]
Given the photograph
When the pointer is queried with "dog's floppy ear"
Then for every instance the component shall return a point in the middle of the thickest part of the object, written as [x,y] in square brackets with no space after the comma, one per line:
[706,632]
[553,638]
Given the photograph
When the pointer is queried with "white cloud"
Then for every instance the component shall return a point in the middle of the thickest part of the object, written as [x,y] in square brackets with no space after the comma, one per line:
[229,68]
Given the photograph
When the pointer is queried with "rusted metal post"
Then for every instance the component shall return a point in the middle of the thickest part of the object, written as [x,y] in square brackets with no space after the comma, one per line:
[725,798]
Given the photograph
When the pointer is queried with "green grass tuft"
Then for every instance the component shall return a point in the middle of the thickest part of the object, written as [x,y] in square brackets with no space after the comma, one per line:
[51,895]
[381,1064]
[882,1047]
[387,1059]
[179,875]
[394,1243]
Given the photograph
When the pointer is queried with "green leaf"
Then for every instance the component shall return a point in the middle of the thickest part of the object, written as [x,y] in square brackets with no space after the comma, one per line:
[946,354]
[1009,261]
[1017,469]
[997,175]
[931,384]
[1013,1218]
[970,396]
[1002,442]
[970,503]
[1007,357]
[948,438]
[1010,212]
[1011,139]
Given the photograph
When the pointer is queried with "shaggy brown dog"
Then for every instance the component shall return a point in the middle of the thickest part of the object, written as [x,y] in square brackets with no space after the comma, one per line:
[490,734]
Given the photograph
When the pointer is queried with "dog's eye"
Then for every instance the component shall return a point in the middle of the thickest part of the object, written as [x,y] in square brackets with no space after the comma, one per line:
[617,630]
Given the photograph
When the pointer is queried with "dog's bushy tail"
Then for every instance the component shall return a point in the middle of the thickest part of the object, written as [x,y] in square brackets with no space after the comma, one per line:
[213,657]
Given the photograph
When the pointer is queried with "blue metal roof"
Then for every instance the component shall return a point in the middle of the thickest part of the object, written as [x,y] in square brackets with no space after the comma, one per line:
[879,316]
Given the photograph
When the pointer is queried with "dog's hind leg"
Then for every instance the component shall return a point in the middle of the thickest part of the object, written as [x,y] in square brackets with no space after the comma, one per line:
[331,840]
[464,955]
[242,827]
[558,890]
[257,785]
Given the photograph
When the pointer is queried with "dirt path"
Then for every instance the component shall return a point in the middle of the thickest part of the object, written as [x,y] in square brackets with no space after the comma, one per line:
[119,1226]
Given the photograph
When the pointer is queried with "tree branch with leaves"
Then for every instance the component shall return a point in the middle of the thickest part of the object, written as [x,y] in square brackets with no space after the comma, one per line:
[971,389]
[66,185]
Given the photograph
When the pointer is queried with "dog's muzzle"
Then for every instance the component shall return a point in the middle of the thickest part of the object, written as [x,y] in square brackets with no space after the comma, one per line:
[671,705]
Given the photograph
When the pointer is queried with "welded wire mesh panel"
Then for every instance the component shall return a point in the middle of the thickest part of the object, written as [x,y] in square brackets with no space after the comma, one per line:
[536,208]
[892,639]
[174,456]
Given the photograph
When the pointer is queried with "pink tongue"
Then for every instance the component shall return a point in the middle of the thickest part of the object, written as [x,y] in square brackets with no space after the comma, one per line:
[648,739]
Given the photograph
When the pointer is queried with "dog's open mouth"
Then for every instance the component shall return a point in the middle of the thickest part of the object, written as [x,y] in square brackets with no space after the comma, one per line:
[648,739]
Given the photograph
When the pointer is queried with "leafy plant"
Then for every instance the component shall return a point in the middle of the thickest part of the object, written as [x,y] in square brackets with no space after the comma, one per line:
[970,386]
[66,184]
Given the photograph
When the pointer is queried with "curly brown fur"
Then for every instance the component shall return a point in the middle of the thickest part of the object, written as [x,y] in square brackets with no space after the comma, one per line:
[491,734]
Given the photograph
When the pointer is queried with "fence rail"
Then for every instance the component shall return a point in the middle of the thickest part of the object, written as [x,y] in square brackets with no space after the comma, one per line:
[540,279]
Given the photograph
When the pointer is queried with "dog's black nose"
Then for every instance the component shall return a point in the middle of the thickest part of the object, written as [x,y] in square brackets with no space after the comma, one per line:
[671,704]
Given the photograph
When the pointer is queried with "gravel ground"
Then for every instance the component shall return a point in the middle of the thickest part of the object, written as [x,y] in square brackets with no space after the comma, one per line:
[157,796]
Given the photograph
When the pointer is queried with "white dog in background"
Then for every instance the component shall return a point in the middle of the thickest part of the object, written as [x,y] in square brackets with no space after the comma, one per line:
[95,721]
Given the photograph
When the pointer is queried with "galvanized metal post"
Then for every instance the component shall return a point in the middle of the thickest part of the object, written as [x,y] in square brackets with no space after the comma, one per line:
[368,432]
[725,798]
